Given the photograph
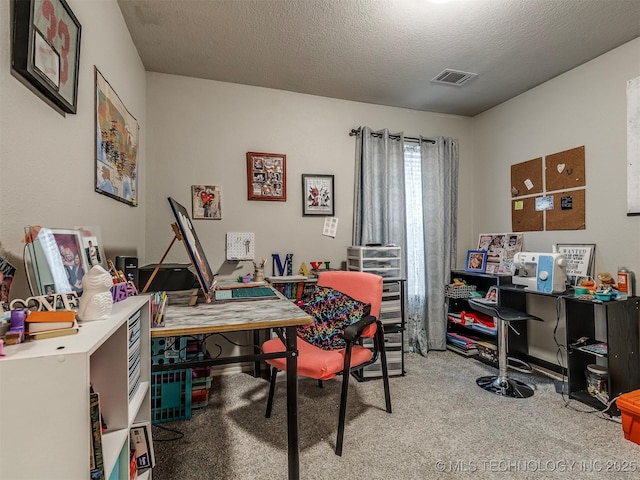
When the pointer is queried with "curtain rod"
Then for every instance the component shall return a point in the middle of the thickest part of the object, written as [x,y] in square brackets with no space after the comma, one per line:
[355,131]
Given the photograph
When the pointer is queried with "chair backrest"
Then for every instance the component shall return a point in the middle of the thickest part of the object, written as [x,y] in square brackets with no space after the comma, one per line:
[363,286]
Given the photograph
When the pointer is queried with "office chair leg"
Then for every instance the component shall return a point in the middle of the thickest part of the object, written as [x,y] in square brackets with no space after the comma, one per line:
[343,399]
[385,371]
[272,390]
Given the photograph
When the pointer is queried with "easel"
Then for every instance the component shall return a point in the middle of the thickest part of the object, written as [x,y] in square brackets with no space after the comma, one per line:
[194,293]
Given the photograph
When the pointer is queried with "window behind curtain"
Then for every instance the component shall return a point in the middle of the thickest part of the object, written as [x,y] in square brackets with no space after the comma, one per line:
[415,233]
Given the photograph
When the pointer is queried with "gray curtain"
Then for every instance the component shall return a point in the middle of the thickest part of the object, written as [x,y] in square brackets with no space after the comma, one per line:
[380,215]
[379,191]
[427,324]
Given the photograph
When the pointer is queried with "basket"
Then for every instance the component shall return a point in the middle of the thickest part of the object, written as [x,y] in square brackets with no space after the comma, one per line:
[171,395]
[459,291]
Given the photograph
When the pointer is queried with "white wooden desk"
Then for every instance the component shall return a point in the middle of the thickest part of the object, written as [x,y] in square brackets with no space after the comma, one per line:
[244,315]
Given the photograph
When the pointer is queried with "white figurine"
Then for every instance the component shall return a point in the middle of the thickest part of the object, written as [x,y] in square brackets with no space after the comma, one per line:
[96,301]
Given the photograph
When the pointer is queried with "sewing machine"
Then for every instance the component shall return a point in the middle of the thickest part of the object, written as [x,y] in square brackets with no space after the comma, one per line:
[540,272]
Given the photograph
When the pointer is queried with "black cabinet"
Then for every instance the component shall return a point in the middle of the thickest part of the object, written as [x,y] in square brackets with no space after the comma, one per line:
[614,323]
[488,342]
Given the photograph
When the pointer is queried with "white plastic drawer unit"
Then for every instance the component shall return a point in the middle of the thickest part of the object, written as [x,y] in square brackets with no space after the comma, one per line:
[383,261]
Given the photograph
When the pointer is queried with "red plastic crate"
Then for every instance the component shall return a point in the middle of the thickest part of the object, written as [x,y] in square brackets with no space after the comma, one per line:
[629,405]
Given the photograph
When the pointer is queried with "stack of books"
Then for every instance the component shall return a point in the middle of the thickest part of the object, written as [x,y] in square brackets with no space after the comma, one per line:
[46,324]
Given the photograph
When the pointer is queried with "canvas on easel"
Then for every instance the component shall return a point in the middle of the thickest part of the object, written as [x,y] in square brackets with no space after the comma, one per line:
[206,278]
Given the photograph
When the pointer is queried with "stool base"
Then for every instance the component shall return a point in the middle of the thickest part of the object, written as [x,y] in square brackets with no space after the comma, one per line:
[506,387]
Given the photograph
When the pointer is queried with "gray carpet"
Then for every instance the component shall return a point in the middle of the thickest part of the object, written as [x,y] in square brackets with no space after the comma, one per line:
[442,426]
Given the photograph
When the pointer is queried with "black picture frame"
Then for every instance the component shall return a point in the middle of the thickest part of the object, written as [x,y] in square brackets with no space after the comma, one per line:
[581,260]
[318,195]
[205,275]
[45,50]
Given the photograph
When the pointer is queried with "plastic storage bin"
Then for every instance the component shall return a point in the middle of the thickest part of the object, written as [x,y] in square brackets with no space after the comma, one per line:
[629,405]
[171,395]
[383,261]
[597,382]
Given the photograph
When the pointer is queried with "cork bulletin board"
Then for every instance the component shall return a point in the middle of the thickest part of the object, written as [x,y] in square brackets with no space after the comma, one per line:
[558,203]
[565,170]
[568,212]
[526,178]
[524,217]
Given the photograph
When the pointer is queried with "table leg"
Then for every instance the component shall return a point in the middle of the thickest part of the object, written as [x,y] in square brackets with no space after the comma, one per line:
[292,404]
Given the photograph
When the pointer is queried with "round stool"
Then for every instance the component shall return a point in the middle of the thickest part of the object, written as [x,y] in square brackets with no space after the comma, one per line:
[502,384]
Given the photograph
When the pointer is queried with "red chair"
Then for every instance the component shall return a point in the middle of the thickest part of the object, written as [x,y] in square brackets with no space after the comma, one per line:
[320,364]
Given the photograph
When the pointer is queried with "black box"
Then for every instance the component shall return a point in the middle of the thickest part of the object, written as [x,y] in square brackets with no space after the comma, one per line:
[170,277]
[129,266]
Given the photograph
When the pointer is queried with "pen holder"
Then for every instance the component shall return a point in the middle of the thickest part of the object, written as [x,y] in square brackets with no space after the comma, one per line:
[259,274]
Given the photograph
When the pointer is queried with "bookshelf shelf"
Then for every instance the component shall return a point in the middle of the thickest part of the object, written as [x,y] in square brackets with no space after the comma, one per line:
[44,396]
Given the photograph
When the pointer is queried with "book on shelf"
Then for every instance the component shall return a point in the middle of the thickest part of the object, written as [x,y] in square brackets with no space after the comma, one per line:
[142,442]
[58,332]
[595,348]
[44,321]
[96,463]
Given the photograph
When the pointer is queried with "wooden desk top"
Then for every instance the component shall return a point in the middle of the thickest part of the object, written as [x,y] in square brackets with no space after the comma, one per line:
[230,316]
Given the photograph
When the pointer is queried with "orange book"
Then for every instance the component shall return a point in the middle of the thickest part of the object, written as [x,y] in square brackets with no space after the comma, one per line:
[44,321]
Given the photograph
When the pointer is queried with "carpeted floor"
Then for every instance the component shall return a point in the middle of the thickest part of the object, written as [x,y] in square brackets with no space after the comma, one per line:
[442,426]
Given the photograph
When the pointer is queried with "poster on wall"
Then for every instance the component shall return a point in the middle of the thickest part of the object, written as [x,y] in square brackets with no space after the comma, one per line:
[501,248]
[117,134]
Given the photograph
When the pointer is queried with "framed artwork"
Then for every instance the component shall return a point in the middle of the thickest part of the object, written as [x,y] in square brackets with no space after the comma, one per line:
[116,146]
[194,249]
[205,202]
[476,261]
[580,260]
[90,239]
[58,259]
[318,195]
[46,49]
[501,248]
[266,176]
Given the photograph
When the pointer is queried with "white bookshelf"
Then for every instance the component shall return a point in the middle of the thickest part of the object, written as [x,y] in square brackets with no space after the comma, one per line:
[44,398]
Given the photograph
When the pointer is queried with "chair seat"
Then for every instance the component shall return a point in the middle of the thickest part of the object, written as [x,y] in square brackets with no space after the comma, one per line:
[313,362]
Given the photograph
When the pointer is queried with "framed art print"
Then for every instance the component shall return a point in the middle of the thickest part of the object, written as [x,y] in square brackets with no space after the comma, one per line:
[205,202]
[580,260]
[117,137]
[318,195]
[46,49]
[266,176]
[476,261]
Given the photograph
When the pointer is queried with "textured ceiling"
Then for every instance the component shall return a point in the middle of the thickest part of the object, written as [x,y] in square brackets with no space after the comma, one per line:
[380,51]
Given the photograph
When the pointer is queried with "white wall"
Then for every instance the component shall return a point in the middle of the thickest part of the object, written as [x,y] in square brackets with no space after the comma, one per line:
[200,131]
[47,161]
[586,106]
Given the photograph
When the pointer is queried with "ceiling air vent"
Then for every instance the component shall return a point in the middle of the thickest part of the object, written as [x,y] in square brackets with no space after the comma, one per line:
[454,77]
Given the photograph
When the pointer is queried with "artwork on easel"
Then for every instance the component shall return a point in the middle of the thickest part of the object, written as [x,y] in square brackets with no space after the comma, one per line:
[194,248]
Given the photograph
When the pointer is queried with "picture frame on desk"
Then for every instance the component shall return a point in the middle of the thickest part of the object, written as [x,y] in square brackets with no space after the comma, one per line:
[46,50]
[318,195]
[58,259]
[476,261]
[580,260]
[266,176]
